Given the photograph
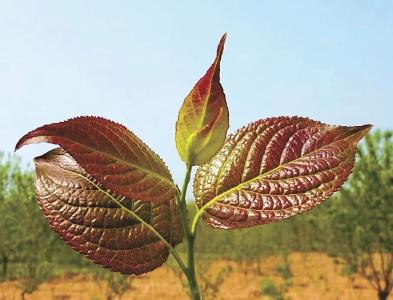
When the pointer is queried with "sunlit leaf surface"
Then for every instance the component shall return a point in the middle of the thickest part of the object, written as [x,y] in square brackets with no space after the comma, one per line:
[89,219]
[273,169]
[203,118]
[112,155]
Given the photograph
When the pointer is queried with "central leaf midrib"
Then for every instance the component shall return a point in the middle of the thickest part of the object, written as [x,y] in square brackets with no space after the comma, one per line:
[203,119]
[282,209]
[133,213]
[136,216]
[260,176]
[155,174]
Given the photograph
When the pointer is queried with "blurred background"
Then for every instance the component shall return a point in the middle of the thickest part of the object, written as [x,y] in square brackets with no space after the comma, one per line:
[134,62]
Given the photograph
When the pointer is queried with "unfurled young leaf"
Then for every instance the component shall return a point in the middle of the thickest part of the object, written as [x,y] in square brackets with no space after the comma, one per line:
[273,169]
[203,119]
[89,219]
[112,155]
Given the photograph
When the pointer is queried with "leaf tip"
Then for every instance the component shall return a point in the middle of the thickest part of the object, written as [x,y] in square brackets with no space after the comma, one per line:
[224,36]
[32,137]
[367,127]
[362,130]
[220,47]
[22,141]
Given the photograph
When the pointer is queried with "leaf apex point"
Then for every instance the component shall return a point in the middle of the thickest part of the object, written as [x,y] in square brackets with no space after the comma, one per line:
[19,144]
[364,128]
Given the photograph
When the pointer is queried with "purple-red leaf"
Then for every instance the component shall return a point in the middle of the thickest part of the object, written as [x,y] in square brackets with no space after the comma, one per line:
[112,154]
[88,218]
[273,169]
[203,119]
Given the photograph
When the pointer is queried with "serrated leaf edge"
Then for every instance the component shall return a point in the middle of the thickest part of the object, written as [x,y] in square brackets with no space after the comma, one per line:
[217,198]
[26,141]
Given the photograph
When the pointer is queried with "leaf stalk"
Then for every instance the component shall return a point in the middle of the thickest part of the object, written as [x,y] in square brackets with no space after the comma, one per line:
[189,238]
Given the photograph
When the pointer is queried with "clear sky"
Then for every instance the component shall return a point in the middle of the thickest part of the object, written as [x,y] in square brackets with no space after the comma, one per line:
[135,61]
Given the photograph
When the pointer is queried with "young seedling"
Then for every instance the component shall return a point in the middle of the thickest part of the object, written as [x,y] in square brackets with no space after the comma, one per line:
[110,197]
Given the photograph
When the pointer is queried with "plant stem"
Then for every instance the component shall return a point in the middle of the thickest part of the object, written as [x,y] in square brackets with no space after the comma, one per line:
[190,238]
[196,219]
[192,281]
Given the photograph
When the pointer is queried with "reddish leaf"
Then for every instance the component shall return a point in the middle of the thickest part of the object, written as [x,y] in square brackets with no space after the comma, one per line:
[203,119]
[273,169]
[88,219]
[112,154]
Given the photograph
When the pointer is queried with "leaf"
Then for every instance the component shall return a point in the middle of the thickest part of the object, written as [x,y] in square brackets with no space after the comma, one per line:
[203,119]
[88,218]
[273,169]
[112,154]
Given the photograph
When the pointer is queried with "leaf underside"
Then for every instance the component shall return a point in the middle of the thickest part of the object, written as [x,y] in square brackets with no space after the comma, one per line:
[203,119]
[112,155]
[88,219]
[273,169]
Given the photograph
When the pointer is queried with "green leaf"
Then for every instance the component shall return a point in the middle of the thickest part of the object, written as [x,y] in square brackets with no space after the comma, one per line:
[273,169]
[203,119]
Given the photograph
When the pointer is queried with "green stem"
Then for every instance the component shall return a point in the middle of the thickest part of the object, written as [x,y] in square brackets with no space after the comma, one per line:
[196,219]
[190,238]
[192,281]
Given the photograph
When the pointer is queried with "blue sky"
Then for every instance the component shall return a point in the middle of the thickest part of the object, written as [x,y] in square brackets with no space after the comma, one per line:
[134,62]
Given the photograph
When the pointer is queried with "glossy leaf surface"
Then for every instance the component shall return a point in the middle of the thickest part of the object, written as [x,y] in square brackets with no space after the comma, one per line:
[87,217]
[203,118]
[273,169]
[112,155]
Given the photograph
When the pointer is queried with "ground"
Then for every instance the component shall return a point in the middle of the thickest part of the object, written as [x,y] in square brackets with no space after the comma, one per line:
[314,276]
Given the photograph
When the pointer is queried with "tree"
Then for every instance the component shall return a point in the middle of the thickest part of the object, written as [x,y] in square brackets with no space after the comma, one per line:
[362,214]
[10,208]
[28,251]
